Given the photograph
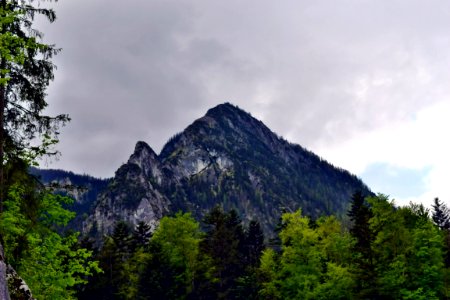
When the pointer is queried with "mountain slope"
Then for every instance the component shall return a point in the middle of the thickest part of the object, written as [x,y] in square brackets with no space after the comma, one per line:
[84,189]
[225,158]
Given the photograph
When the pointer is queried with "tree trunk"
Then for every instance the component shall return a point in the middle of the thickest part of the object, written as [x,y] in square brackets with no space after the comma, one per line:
[2,121]
[3,281]
[2,143]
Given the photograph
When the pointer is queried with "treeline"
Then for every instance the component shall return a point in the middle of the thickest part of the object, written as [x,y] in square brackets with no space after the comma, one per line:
[387,252]
[179,260]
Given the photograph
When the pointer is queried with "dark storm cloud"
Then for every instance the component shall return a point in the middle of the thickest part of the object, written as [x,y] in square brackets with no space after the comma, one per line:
[315,72]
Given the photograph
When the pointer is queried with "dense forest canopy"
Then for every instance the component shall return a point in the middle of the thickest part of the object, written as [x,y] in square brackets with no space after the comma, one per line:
[386,252]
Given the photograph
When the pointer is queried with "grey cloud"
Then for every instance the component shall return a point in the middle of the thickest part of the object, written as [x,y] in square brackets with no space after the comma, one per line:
[316,72]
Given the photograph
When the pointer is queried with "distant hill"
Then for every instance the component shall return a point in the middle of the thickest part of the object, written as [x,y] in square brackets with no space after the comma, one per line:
[84,189]
[225,158]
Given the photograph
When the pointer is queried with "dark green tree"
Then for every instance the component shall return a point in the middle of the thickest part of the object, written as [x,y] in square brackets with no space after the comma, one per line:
[441,215]
[158,278]
[121,237]
[254,244]
[360,215]
[248,284]
[225,244]
[112,257]
[141,235]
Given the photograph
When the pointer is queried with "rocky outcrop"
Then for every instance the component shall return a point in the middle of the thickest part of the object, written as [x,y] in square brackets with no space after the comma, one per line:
[84,189]
[133,195]
[12,286]
[4,294]
[18,289]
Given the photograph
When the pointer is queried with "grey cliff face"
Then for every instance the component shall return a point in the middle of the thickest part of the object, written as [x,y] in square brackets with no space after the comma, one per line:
[132,196]
[147,160]
[4,294]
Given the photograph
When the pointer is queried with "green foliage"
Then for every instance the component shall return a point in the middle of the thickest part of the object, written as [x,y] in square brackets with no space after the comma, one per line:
[51,265]
[175,263]
[407,249]
[179,238]
[314,262]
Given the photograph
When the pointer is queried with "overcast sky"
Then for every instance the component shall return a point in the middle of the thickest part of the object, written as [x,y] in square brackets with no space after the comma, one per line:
[364,84]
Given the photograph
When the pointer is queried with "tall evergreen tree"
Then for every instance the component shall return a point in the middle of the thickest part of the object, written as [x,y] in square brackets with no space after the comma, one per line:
[360,215]
[141,235]
[224,243]
[121,238]
[254,244]
[441,216]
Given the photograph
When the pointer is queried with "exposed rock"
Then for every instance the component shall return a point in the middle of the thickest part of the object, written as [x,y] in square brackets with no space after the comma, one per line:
[84,189]
[133,195]
[18,289]
[4,295]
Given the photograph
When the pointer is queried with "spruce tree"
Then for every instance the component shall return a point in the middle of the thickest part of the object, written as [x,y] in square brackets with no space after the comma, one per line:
[441,215]
[360,215]
[224,243]
[141,235]
[254,244]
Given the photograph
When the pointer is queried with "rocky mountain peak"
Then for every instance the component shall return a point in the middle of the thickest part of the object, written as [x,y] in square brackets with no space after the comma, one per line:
[147,160]
[226,158]
[225,109]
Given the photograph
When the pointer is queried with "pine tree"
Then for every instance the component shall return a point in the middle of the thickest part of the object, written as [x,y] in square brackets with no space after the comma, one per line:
[441,215]
[249,282]
[360,214]
[224,243]
[121,238]
[141,235]
[254,244]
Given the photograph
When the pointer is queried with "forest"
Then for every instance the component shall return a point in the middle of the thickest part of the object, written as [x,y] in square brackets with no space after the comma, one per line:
[381,252]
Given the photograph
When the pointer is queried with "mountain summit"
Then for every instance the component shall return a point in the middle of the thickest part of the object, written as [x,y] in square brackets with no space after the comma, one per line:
[225,158]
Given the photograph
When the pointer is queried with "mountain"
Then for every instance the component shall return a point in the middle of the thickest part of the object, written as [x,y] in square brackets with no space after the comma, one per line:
[225,158]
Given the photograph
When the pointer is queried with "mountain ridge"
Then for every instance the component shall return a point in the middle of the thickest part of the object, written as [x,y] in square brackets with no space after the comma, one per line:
[226,158]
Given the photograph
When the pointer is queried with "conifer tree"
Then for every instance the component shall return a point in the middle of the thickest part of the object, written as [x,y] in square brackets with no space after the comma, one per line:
[254,244]
[224,243]
[360,214]
[441,215]
[141,235]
